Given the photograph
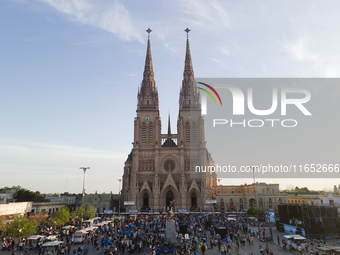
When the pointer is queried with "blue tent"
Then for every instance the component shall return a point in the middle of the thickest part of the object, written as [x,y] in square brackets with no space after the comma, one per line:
[227,240]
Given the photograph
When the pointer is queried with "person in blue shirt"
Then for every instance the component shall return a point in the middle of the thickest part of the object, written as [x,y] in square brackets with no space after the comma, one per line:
[85,250]
[74,251]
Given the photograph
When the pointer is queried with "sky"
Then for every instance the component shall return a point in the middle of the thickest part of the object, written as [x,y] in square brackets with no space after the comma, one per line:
[70,72]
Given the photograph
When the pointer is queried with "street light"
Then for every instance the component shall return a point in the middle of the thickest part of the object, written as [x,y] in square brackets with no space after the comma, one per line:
[119,197]
[82,201]
[256,202]
[20,236]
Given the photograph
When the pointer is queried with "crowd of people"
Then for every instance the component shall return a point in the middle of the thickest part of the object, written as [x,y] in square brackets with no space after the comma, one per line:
[145,233]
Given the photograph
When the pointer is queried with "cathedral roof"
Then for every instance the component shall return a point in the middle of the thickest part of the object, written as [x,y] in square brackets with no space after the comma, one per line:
[169,143]
[129,157]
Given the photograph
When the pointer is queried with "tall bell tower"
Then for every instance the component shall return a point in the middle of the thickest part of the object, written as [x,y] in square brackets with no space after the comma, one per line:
[159,168]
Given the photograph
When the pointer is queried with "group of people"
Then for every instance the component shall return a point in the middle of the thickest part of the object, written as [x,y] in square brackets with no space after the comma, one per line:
[146,233]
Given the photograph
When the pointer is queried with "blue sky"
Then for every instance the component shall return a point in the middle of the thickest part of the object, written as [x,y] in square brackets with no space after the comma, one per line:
[70,72]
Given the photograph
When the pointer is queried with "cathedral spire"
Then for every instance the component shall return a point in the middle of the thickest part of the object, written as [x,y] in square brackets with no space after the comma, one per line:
[148,76]
[169,127]
[148,95]
[188,63]
[189,96]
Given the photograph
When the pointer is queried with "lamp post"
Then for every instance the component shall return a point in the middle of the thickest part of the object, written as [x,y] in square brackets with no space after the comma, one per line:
[120,180]
[20,235]
[256,202]
[82,201]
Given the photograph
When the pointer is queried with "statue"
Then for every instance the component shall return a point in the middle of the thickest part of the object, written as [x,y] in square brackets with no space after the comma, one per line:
[171,213]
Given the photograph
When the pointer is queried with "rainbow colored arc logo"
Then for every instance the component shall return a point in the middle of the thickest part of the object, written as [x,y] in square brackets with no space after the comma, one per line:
[209,93]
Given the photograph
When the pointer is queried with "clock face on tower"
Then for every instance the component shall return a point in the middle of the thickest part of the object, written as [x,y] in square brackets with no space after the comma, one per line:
[147,118]
[190,117]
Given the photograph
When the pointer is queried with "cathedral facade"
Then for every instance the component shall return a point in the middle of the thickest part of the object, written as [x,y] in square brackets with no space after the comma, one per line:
[161,167]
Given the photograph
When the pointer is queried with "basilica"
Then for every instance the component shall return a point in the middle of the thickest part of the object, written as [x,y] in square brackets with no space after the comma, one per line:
[161,167]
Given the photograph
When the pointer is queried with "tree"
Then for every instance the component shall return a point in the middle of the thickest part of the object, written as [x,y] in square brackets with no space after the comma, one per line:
[25,195]
[3,224]
[40,217]
[61,216]
[88,213]
[3,190]
[252,211]
[261,212]
[22,226]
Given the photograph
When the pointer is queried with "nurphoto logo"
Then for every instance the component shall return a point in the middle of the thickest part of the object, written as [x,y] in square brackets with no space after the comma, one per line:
[239,99]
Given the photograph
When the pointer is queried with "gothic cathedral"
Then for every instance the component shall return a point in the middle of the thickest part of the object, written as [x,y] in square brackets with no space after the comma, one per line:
[161,167]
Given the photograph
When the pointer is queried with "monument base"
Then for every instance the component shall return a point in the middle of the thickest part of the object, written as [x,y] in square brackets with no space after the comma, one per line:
[170,232]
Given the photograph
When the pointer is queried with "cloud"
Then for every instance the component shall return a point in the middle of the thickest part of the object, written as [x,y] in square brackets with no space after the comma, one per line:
[205,14]
[299,49]
[307,50]
[109,16]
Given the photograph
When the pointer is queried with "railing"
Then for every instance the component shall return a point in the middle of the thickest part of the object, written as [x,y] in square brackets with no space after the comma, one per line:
[164,137]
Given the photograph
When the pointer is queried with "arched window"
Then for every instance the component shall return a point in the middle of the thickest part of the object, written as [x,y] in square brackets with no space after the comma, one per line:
[187,133]
[241,204]
[143,133]
[146,200]
[270,203]
[231,204]
[150,134]
[193,200]
[169,197]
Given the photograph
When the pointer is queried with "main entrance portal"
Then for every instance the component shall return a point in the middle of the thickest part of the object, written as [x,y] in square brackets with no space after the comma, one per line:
[169,197]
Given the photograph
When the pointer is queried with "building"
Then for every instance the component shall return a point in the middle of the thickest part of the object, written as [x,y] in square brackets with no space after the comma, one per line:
[7,196]
[302,197]
[329,199]
[73,201]
[9,209]
[99,201]
[242,197]
[160,167]
[47,207]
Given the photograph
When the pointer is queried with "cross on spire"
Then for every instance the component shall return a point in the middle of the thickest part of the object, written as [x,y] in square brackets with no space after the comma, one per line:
[187,30]
[148,30]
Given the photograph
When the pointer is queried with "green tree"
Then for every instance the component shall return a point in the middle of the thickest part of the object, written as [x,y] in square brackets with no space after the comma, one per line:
[252,211]
[88,213]
[40,218]
[261,212]
[61,216]
[3,190]
[3,224]
[25,195]
[22,226]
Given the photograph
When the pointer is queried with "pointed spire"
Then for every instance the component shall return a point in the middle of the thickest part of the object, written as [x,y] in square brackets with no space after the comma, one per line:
[188,62]
[148,95]
[188,95]
[148,76]
[169,127]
